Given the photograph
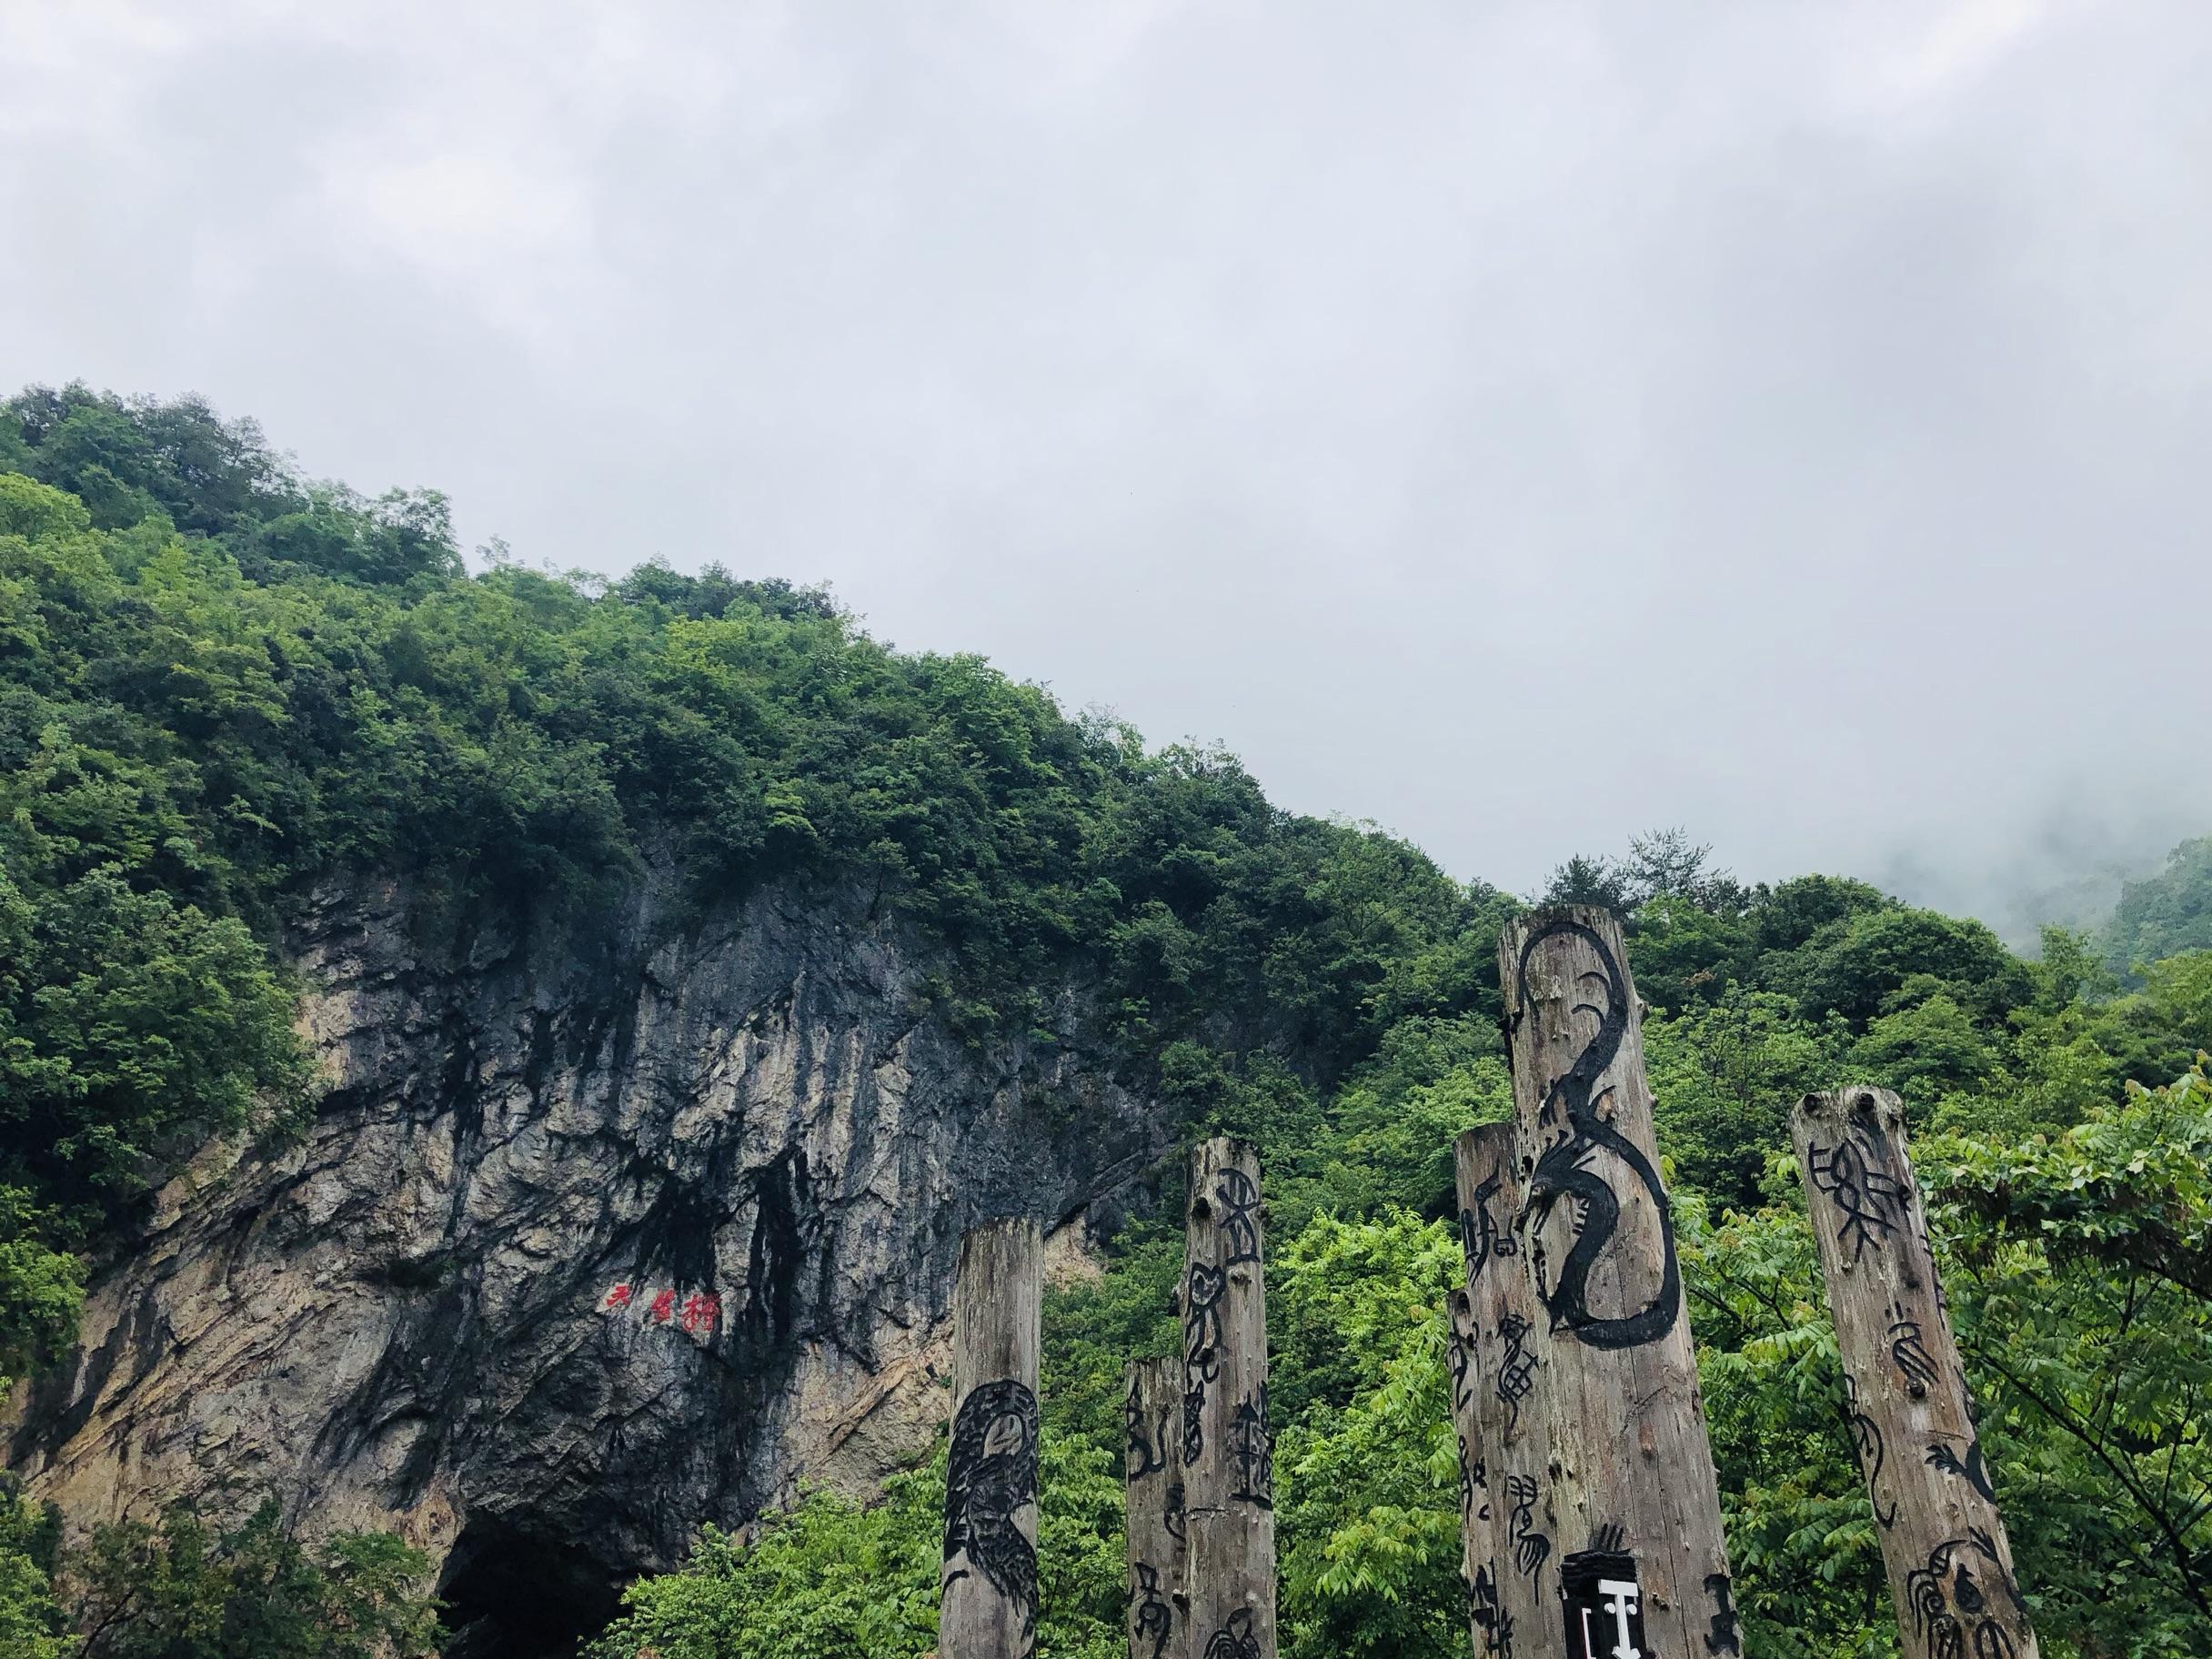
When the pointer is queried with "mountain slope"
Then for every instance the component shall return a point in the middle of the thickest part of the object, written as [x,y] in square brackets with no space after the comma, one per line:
[505,1058]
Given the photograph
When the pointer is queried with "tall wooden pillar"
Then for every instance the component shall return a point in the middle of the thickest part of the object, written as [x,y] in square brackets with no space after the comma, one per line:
[1225,1442]
[987,1606]
[1499,1339]
[1151,1419]
[1642,1564]
[1912,1424]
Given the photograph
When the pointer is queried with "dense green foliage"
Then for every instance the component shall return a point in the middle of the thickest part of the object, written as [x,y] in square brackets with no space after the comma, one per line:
[831,1579]
[220,685]
[183,1590]
[32,1625]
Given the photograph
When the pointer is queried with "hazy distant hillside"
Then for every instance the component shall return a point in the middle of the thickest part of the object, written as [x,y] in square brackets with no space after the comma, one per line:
[2166,913]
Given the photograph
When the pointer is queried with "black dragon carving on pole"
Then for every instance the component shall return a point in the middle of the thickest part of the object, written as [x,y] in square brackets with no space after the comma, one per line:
[1576,1134]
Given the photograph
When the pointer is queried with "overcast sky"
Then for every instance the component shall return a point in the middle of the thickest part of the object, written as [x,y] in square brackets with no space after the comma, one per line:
[1520,425]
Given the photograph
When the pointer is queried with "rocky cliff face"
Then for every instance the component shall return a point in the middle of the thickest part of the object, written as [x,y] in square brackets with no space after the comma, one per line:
[582,1250]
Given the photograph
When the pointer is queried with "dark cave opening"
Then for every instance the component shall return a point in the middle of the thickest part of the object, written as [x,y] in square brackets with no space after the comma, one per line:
[510,1594]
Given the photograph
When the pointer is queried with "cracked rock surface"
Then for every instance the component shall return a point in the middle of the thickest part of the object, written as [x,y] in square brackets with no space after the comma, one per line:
[585,1247]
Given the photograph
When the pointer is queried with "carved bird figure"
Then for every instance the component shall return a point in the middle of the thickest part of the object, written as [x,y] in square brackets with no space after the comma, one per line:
[1974,1471]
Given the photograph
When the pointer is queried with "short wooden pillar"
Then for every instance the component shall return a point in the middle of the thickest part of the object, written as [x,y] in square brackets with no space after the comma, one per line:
[1905,1391]
[987,1606]
[1225,1442]
[1499,1339]
[1152,1420]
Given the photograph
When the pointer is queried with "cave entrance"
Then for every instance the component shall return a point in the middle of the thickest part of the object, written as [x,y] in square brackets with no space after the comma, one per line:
[510,1594]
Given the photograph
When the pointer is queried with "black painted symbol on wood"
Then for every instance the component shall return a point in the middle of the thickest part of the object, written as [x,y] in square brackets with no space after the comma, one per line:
[1516,1371]
[1910,1355]
[1239,1200]
[1570,1108]
[1605,1606]
[1530,1547]
[1488,1614]
[1175,1513]
[1870,1198]
[1720,1635]
[990,1476]
[1234,1640]
[1972,1469]
[1460,1354]
[1201,1336]
[1251,1445]
[1480,1236]
[1473,1478]
[1145,1448]
[1951,1599]
[1868,1448]
[1154,1617]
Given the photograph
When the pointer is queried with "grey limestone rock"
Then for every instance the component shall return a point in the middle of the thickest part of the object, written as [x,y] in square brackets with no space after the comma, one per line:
[587,1245]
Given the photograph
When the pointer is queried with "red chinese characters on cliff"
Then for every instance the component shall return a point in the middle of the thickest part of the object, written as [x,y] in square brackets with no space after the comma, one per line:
[698,1314]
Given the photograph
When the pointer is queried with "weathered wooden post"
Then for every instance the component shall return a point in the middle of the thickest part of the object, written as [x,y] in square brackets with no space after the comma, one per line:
[986,1605]
[1226,1446]
[1498,1340]
[1904,1392]
[1151,1419]
[1643,1566]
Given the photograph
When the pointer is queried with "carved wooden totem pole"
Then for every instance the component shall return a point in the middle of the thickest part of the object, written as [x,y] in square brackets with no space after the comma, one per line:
[1905,1393]
[1499,1336]
[1224,1444]
[987,1606]
[1152,1418]
[1635,1562]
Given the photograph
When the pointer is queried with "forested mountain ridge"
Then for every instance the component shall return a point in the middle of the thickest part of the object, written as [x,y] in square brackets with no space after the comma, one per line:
[235,707]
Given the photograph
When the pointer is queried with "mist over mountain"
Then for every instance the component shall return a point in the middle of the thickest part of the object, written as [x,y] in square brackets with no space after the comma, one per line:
[2067,871]
[2066,868]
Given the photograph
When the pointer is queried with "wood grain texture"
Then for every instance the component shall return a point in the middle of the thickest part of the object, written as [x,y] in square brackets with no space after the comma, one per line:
[1499,1338]
[1226,1445]
[1943,1541]
[1630,1480]
[1152,1470]
[987,1606]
